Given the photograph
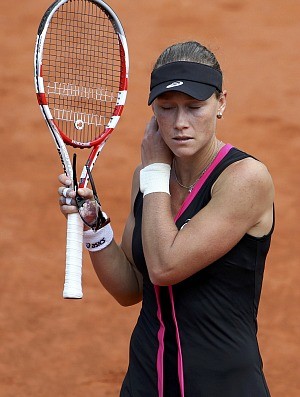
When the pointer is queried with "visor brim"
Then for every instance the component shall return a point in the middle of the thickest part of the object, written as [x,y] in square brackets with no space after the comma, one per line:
[196,90]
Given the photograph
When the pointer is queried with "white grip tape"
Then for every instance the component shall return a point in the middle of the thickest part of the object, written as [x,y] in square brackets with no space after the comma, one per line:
[155,178]
[73,286]
[97,241]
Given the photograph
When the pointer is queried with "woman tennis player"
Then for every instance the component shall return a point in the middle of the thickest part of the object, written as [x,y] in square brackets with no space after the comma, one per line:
[194,245]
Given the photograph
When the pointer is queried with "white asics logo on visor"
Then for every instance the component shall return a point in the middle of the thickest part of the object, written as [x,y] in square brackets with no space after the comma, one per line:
[174,84]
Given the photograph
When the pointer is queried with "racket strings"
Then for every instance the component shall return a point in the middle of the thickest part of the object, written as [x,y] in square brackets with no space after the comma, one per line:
[81,69]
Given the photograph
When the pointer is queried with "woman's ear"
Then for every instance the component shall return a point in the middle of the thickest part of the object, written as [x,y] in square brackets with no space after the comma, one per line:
[222,104]
[153,108]
[154,114]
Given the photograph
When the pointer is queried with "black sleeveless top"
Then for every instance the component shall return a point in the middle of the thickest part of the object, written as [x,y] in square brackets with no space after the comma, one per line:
[198,338]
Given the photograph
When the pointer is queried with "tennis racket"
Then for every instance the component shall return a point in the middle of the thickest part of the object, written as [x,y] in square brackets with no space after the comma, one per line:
[81,66]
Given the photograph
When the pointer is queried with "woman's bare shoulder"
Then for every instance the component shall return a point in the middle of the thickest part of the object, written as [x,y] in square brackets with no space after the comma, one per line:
[246,173]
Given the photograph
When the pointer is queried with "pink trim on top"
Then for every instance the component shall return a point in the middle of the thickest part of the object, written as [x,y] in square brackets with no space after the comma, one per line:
[160,352]
[179,354]
[222,153]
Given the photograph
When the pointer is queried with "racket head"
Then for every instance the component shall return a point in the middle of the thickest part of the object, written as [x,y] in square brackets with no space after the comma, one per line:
[81,70]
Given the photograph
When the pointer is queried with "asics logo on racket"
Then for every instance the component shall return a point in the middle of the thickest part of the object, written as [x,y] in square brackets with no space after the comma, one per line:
[95,245]
[175,84]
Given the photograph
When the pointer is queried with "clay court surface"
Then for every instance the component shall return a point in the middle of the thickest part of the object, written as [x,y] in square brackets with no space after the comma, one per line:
[79,348]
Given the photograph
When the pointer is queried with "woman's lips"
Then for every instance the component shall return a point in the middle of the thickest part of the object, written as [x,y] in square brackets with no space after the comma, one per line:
[182,138]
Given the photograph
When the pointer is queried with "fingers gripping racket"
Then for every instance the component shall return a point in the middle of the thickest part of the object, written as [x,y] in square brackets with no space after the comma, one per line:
[81,68]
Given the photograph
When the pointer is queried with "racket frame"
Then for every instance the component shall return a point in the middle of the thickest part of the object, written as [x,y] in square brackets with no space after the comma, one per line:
[74,222]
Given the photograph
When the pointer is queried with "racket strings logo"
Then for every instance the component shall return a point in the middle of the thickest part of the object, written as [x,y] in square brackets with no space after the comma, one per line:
[79,91]
[80,119]
[79,124]
[175,84]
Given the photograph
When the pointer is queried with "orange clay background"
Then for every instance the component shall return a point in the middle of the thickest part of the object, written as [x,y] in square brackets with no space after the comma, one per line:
[74,348]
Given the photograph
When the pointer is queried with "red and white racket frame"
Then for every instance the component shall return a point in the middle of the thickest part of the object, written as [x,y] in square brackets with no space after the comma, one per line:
[73,270]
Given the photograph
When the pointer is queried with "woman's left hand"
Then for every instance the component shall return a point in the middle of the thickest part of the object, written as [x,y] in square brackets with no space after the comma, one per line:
[154,149]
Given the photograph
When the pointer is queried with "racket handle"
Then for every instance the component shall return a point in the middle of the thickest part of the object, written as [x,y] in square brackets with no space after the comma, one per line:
[73,286]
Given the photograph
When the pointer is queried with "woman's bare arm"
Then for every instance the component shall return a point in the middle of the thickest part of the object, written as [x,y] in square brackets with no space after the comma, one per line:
[242,201]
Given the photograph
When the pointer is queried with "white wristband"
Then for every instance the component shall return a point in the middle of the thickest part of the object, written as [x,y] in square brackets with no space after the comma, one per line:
[97,241]
[155,178]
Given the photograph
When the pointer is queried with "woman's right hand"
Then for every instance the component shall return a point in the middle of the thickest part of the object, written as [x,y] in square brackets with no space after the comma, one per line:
[154,148]
[67,195]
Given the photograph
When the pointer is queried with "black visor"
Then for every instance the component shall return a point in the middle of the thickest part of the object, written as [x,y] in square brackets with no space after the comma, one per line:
[194,79]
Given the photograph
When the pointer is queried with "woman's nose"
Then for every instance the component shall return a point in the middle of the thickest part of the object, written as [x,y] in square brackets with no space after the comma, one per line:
[181,119]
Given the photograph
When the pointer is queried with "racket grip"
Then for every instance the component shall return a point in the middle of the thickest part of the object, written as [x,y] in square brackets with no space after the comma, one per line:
[73,274]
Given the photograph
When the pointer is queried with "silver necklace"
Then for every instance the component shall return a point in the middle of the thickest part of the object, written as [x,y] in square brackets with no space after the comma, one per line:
[191,187]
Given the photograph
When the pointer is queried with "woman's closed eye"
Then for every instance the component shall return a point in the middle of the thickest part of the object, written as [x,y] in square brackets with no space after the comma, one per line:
[167,107]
